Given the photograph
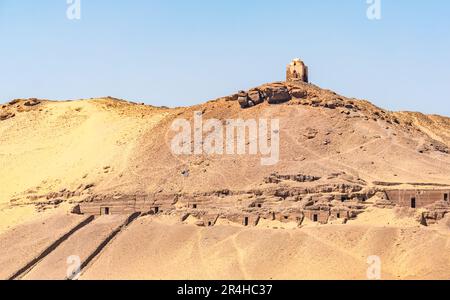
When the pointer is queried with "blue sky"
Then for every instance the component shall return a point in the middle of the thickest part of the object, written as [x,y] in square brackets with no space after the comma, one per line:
[176,53]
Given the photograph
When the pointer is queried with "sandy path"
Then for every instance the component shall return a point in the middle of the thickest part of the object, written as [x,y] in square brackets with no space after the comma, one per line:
[25,242]
[82,244]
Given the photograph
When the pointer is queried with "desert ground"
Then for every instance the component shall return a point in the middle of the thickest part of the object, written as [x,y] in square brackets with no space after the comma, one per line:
[163,248]
[55,154]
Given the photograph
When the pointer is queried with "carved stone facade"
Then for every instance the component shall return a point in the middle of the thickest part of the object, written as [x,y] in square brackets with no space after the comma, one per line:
[417,198]
[322,204]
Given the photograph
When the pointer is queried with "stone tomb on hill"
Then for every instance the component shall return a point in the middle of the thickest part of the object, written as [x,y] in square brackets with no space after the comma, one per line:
[297,71]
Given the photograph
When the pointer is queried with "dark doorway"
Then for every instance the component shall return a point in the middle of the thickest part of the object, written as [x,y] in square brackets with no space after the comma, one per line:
[246,221]
[156,210]
[445,197]
[209,224]
[315,218]
[413,203]
[338,216]
[194,206]
[105,211]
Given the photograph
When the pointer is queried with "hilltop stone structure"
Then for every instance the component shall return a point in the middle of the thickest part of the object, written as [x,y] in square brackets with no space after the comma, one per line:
[295,87]
[297,71]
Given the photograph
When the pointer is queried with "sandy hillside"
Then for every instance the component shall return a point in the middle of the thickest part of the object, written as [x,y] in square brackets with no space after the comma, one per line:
[55,154]
[72,145]
[163,248]
[230,252]
[108,145]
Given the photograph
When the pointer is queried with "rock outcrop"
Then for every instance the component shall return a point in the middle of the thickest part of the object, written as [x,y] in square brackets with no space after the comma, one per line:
[14,107]
[294,92]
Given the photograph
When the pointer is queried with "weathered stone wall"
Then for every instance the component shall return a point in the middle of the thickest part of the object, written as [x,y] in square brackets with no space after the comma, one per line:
[317,216]
[284,198]
[126,204]
[422,198]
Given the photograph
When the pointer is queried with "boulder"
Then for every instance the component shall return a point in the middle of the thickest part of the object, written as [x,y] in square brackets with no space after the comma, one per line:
[331,104]
[255,96]
[6,116]
[14,102]
[32,102]
[242,94]
[243,99]
[278,94]
[243,102]
[298,93]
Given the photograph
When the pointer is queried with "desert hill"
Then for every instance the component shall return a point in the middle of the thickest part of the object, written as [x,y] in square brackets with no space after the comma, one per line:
[48,146]
[56,154]
[109,145]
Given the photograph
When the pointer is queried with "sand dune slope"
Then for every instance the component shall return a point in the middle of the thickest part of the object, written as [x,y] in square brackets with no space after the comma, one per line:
[64,144]
[150,249]
[22,244]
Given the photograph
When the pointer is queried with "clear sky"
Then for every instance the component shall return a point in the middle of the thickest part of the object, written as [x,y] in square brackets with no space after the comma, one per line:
[177,53]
